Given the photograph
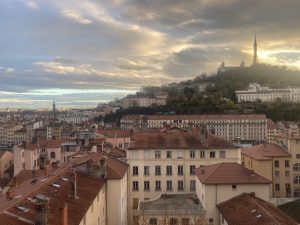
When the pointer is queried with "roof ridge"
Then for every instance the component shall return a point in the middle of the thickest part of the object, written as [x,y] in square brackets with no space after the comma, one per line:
[212,172]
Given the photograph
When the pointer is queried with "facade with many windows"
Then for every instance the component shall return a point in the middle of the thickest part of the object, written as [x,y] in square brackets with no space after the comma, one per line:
[165,162]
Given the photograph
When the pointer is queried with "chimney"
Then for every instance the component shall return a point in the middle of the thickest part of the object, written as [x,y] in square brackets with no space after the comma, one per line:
[202,171]
[252,173]
[63,214]
[265,146]
[73,186]
[41,208]
[252,194]
[46,170]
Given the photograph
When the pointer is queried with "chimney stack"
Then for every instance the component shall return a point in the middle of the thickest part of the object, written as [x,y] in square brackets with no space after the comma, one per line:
[63,214]
[265,146]
[202,171]
[73,186]
[46,170]
[41,208]
[252,194]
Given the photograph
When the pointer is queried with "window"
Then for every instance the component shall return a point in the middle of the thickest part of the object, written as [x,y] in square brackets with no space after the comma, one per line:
[287,173]
[298,156]
[153,221]
[212,154]
[135,185]
[277,187]
[135,170]
[276,163]
[157,154]
[146,185]
[169,185]
[173,221]
[296,167]
[192,169]
[146,154]
[192,154]
[192,185]
[185,221]
[222,154]
[169,170]
[297,180]
[146,170]
[287,163]
[180,185]
[169,155]
[157,185]
[135,154]
[233,187]
[276,173]
[180,155]
[52,155]
[297,141]
[202,154]
[211,221]
[135,203]
[157,171]
[180,170]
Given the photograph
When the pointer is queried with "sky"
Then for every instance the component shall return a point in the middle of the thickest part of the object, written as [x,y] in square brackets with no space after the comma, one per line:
[81,53]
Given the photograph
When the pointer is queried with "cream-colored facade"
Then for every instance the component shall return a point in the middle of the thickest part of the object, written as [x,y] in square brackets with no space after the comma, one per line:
[6,160]
[9,134]
[292,144]
[181,179]
[265,94]
[231,127]
[97,212]
[276,169]
[117,201]
[213,194]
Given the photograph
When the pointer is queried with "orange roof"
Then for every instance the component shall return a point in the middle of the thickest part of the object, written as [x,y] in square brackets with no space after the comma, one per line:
[115,133]
[87,189]
[229,173]
[265,151]
[116,169]
[177,139]
[117,152]
[247,209]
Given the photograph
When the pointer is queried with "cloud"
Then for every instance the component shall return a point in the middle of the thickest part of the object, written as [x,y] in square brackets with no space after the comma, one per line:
[75,16]
[7,70]
[32,4]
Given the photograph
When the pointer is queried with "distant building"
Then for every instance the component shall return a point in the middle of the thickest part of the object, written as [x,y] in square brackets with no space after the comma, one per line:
[265,94]
[247,128]
[144,101]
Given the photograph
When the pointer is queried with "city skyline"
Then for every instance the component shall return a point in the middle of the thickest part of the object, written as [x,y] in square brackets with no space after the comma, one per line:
[83,54]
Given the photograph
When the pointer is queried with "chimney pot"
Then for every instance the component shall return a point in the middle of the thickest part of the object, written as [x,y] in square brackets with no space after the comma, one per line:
[252,194]
[63,211]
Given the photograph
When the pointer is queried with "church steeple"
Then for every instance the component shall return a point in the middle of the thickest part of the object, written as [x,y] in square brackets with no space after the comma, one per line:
[54,110]
[255,61]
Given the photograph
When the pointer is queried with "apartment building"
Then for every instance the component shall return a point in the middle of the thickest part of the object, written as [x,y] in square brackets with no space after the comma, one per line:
[291,143]
[265,94]
[273,162]
[11,133]
[91,191]
[165,161]
[247,128]
[117,138]
[220,182]
[33,156]
[142,101]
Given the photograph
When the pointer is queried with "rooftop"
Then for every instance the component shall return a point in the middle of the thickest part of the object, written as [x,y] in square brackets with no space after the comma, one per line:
[265,151]
[115,133]
[178,139]
[172,202]
[229,173]
[247,209]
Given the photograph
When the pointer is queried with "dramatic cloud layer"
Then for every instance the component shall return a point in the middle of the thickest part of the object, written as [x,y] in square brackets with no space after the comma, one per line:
[84,52]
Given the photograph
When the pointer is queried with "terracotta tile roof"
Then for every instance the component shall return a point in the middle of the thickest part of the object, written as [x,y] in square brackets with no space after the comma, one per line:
[87,189]
[229,173]
[116,169]
[117,152]
[177,140]
[115,133]
[54,143]
[247,209]
[9,220]
[265,151]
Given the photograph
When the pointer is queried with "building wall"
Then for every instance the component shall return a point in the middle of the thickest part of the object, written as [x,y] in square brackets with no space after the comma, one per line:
[117,201]
[96,214]
[137,158]
[5,162]
[119,142]
[215,194]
